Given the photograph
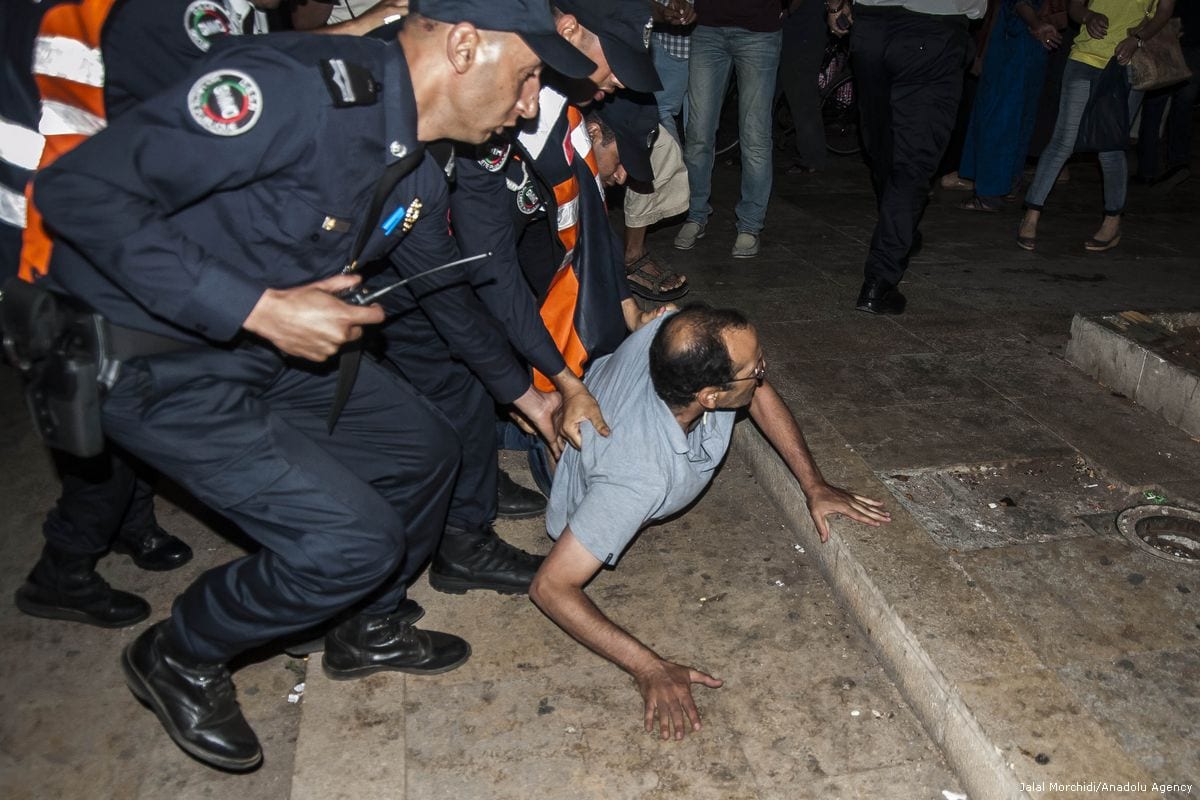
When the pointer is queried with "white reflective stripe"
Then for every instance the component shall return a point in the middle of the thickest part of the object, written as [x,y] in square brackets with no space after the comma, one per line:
[581,141]
[19,145]
[12,207]
[550,107]
[568,214]
[58,118]
[62,57]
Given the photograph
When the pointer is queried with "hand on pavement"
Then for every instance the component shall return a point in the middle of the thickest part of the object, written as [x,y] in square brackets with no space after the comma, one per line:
[667,694]
[826,500]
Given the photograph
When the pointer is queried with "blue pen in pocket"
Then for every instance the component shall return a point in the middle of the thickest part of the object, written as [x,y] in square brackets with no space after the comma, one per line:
[407,215]
[393,220]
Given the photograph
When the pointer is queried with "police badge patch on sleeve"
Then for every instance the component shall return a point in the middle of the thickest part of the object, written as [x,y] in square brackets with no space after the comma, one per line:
[226,102]
[205,20]
[495,156]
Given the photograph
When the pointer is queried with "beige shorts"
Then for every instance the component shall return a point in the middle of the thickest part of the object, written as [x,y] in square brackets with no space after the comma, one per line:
[670,196]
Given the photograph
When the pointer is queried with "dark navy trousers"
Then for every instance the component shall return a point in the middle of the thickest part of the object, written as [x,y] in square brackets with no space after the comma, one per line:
[450,386]
[344,520]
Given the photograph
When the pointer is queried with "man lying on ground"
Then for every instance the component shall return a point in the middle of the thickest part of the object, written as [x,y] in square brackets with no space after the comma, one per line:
[670,394]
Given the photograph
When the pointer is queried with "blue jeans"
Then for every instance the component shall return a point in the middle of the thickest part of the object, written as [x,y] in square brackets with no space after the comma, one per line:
[672,98]
[755,57]
[1077,82]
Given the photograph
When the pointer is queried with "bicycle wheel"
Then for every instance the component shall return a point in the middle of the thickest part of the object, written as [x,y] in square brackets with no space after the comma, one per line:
[839,112]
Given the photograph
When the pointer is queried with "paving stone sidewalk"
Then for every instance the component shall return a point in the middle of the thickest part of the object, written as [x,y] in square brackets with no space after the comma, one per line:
[1044,653]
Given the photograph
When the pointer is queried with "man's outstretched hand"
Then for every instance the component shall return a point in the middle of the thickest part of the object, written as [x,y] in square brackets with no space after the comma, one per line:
[666,690]
[826,500]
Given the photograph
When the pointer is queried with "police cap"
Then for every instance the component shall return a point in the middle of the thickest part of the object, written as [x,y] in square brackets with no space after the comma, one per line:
[633,117]
[532,20]
[624,30]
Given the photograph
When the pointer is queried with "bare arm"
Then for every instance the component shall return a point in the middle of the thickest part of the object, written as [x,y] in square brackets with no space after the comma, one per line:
[779,427]
[380,14]
[557,590]
[1144,30]
[1039,29]
[1096,24]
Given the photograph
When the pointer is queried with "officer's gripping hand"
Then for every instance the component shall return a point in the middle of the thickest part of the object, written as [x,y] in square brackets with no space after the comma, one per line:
[538,409]
[308,321]
[577,405]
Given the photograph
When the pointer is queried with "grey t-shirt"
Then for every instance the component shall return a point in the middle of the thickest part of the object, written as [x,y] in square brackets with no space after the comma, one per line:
[646,469]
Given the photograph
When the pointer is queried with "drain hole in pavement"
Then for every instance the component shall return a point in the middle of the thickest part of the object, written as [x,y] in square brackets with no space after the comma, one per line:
[1165,531]
[1174,536]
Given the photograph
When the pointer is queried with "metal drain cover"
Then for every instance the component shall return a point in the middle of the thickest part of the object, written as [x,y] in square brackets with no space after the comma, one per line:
[1168,532]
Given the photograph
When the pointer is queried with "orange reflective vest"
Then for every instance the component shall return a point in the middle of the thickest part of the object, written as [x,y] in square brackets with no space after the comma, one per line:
[69,72]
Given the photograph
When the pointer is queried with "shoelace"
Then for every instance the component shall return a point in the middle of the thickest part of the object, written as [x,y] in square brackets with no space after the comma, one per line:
[495,546]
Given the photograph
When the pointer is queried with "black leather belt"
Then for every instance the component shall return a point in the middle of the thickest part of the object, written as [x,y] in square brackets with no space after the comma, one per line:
[126,343]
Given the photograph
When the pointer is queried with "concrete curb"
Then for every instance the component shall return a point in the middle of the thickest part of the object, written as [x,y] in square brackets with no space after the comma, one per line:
[1098,348]
[979,764]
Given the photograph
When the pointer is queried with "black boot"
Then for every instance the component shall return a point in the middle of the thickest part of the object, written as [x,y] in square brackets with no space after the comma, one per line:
[310,641]
[153,549]
[877,296]
[365,644]
[515,501]
[195,703]
[66,586]
[481,560]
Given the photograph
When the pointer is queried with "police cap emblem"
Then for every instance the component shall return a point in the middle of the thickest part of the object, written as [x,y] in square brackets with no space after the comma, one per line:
[225,102]
[205,20]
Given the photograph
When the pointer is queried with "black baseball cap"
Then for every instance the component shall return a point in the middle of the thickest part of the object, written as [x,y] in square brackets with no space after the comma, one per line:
[624,30]
[532,20]
[633,117]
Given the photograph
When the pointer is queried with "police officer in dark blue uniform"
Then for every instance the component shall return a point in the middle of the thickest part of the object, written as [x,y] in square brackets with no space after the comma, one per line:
[209,226]
[487,214]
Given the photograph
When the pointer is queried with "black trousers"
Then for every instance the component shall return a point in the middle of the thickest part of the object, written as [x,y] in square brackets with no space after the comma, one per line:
[344,519]
[101,498]
[805,33]
[908,72]
[425,361]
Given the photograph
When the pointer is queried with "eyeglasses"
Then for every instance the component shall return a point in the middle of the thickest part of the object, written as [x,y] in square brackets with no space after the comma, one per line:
[758,375]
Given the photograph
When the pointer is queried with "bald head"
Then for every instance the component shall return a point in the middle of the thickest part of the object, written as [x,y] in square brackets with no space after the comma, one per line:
[469,83]
[690,352]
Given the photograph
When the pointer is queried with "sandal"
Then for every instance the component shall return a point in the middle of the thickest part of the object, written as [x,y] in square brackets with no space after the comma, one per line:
[956,183]
[1094,245]
[977,203]
[650,281]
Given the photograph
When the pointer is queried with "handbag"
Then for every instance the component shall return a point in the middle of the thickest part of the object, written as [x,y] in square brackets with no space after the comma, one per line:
[1159,61]
[1104,126]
